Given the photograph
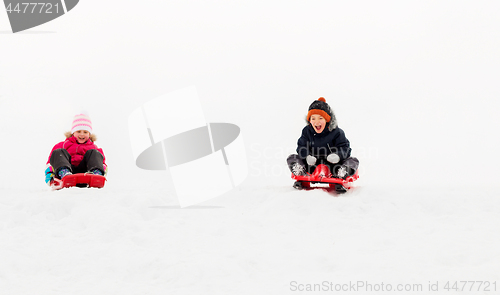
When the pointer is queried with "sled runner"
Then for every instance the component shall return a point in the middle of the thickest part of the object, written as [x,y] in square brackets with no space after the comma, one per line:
[322,174]
[79,180]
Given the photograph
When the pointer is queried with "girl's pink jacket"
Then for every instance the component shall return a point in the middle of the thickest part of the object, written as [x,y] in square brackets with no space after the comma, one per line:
[77,150]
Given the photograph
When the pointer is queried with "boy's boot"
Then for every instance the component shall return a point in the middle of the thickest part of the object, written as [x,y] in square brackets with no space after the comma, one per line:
[342,172]
[298,170]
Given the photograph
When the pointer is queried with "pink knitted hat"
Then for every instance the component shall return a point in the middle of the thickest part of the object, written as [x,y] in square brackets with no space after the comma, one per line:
[81,122]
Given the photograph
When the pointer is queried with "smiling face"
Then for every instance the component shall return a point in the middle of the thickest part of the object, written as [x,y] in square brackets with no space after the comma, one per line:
[318,123]
[81,136]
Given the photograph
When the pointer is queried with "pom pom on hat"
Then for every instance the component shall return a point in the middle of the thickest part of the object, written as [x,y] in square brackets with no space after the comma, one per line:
[81,122]
[322,99]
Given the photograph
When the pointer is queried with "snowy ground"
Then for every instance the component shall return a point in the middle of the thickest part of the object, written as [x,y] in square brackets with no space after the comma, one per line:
[257,240]
[414,87]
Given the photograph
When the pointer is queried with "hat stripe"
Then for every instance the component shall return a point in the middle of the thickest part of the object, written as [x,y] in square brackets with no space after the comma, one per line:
[318,112]
[77,118]
[82,122]
[80,125]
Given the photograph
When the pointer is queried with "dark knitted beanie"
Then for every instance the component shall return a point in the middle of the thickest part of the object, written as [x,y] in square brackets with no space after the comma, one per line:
[320,107]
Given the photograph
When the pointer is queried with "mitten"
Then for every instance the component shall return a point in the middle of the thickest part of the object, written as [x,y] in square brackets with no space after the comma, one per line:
[49,174]
[333,158]
[310,160]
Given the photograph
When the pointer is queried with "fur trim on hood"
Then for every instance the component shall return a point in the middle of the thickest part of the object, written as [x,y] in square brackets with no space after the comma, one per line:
[92,136]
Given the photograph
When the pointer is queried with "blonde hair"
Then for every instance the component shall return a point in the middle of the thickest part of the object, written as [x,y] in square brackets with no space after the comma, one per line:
[92,136]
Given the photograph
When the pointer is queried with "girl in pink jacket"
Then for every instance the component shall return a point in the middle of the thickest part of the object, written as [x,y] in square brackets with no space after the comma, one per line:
[77,154]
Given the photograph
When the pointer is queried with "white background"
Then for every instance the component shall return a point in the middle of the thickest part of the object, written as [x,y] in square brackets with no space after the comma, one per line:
[414,85]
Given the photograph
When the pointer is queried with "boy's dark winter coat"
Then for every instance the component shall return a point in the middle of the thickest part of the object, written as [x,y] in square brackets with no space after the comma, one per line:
[323,144]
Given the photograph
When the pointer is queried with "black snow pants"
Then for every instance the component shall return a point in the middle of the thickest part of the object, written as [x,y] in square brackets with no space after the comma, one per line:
[92,159]
[350,163]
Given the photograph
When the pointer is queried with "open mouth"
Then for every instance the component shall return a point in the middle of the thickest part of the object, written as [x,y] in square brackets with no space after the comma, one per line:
[318,128]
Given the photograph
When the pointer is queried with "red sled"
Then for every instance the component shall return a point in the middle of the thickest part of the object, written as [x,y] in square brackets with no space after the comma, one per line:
[79,180]
[323,175]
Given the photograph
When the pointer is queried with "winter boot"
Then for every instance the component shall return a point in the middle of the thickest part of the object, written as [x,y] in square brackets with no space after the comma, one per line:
[63,172]
[95,172]
[298,170]
[342,172]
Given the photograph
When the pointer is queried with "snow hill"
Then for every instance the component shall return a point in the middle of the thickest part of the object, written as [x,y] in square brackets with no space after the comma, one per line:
[414,86]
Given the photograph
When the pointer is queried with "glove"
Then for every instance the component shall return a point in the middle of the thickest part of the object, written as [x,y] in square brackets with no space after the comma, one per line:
[310,160]
[333,158]
[49,174]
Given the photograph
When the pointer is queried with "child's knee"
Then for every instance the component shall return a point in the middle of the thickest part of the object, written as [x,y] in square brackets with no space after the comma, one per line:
[93,153]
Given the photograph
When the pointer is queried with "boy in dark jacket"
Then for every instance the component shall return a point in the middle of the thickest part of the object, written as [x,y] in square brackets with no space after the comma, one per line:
[322,142]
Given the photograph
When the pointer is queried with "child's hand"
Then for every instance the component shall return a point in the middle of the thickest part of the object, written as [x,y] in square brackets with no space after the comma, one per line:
[310,160]
[333,158]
